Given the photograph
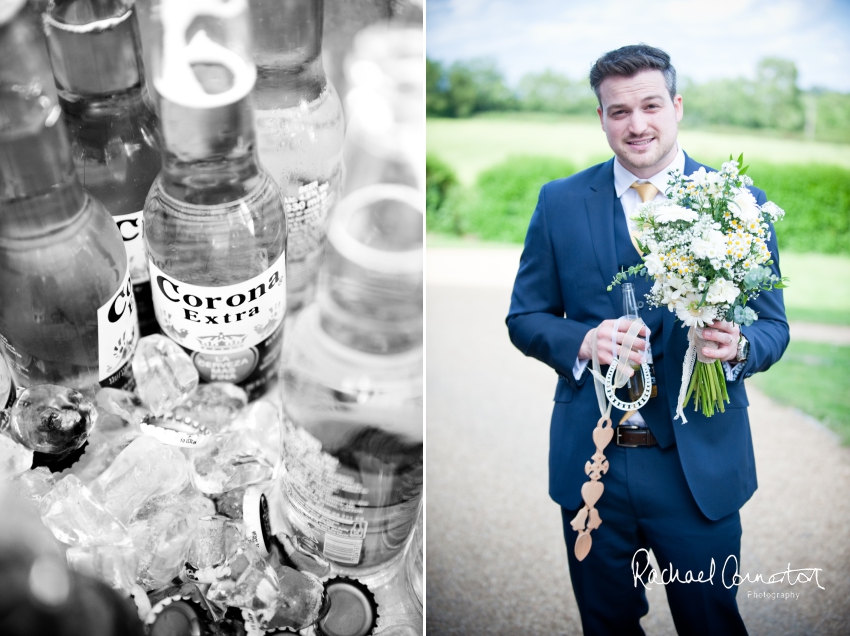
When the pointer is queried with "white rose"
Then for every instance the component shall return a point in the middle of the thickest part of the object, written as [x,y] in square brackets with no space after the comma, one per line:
[744,206]
[700,177]
[711,245]
[653,264]
[670,212]
[722,291]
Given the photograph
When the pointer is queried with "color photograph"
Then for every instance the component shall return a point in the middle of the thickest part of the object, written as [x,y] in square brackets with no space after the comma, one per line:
[637,333]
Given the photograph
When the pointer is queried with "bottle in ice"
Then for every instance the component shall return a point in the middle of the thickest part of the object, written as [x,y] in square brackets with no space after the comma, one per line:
[215,229]
[67,314]
[630,310]
[385,139]
[300,130]
[352,387]
[95,51]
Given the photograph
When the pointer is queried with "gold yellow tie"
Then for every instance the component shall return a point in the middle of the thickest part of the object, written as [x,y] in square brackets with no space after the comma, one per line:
[647,192]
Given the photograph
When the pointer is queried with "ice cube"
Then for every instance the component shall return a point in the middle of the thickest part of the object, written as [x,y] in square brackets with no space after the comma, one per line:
[208,546]
[229,503]
[263,420]
[14,458]
[214,405]
[123,404]
[52,419]
[164,373]
[162,531]
[115,565]
[75,517]
[300,601]
[101,451]
[34,484]
[229,461]
[144,469]
[247,580]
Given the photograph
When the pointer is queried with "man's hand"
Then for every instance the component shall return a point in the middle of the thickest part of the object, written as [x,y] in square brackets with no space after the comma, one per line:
[606,335]
[724,337]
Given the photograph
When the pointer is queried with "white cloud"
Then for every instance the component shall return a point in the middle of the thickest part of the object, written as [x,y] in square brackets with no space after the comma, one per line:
[723,38]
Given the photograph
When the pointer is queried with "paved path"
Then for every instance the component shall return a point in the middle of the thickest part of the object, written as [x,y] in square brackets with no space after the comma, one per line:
[496,560]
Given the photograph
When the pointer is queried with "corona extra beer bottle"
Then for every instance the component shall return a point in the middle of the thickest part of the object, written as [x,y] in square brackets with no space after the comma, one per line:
[95,51]
[67,314]
[215,229]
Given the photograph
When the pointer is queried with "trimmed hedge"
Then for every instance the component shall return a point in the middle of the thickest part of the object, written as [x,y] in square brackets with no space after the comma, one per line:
[507,194]
[440,179]
[816,200]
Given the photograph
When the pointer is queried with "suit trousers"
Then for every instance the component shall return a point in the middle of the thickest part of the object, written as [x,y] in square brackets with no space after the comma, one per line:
[647,505]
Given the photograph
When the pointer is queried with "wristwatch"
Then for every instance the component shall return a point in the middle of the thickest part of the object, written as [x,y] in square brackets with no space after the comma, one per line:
[743,349]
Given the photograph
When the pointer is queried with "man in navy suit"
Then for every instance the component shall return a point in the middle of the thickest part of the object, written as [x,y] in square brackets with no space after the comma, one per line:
[672,488]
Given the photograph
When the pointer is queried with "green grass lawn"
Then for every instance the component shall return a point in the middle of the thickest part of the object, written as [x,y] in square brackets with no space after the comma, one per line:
[814,378]
[819,290]
[471,145]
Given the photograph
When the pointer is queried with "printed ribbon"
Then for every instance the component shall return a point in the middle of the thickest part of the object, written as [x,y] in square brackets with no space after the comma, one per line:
[695,346]
[588,518]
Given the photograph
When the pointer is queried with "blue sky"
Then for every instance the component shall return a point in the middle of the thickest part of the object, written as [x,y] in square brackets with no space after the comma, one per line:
[706,38]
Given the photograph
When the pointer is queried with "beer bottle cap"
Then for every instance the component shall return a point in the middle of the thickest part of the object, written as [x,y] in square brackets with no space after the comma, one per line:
[255,516]
[353,611]
[176,617]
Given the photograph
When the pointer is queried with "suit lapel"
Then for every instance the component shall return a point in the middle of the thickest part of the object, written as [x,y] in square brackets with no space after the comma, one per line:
[599,205]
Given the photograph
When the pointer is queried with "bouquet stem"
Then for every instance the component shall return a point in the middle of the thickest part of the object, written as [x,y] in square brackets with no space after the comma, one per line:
[708,386]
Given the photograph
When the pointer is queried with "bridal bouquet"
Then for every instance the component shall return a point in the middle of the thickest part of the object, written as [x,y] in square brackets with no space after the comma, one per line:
[706,249]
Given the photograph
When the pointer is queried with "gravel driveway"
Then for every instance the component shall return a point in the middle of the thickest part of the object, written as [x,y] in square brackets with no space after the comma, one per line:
[496,560]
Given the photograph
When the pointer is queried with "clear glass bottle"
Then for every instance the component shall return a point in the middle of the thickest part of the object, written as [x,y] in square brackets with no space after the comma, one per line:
[95,50]
[630,310]
[215,229]
[67,314]
[385,141]
[352,387]
[414,563]
[300,130]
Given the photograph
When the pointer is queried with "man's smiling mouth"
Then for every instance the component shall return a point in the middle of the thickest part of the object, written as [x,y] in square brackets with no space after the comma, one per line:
[640,142]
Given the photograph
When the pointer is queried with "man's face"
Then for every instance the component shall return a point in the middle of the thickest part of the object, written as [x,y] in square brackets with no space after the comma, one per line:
[640,121]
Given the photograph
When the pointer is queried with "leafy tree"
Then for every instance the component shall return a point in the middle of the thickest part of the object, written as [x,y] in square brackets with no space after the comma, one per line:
[777,96]
[436,99]
[552,92]
[465,88]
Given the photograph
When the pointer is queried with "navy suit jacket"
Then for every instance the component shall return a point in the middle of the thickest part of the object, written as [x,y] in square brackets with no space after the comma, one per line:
[568,261]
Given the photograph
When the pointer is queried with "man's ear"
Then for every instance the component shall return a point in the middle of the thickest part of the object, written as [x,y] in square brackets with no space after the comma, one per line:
[602,120]
[678,104]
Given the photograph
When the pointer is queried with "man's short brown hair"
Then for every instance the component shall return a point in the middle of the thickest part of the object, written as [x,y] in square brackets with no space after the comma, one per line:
[630,60]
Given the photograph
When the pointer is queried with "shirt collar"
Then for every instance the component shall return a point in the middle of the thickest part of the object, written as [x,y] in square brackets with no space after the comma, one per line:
[623,179]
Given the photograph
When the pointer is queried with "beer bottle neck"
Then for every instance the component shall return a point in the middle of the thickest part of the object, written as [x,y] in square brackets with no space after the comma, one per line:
[130,104]
[95,50]
[287,51]
[209,154]
[39,190]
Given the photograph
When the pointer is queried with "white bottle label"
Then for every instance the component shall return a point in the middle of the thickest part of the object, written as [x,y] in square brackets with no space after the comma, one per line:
[227,327]
[117,331]
[130,226]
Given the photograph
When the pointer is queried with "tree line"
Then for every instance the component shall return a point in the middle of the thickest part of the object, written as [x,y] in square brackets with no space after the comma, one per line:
[771,101]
